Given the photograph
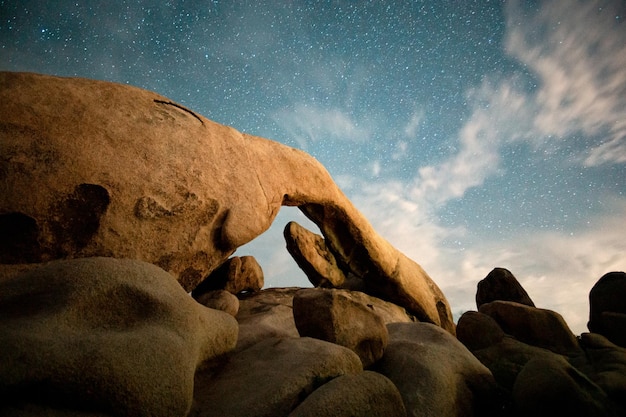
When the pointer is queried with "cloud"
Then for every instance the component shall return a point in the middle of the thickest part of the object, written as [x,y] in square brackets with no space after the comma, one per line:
[578,52]
[308,124]
[412,127]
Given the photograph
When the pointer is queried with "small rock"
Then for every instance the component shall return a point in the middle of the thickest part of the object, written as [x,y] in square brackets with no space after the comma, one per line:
[236,275]
[367,394]
[477,330]
[607,307]
[332,315]
[220,300]
[501,284]
[312,256]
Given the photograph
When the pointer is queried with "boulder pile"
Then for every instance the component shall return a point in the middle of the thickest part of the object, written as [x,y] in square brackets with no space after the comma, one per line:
[119,213]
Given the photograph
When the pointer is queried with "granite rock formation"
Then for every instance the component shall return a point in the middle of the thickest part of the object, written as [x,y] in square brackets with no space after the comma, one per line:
[104,335]
[127,173]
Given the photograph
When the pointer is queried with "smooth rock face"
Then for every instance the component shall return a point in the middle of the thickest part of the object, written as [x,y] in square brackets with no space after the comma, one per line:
[534,326]
[127,173]
[266,314]
[607,307]
[313,256]
[220,300]
[271,378]
[435,374]
[333,316]
[500,284]
[477,330]
[367,394]
[548,387]
[119,337]
[236,275]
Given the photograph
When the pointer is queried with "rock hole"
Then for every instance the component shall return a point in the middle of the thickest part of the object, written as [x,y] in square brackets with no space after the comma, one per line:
[19,236]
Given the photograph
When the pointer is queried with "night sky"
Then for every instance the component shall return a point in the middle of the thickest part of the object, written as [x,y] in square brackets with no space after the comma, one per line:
[472,134]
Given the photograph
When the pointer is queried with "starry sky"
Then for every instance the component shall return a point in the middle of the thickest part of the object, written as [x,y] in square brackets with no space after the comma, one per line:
[472,134]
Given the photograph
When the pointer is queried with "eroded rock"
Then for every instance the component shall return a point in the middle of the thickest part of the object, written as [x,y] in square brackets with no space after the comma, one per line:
[119,337]
[332,315]
[436,374]
[607,307]
[500,284]
[367,394]
[123,172]
[271,377]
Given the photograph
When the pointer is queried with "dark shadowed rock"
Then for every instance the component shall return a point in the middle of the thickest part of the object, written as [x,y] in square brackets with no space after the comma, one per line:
[312,256]
[332,315]
[271,377]
[367,394]
[607,366]
[220,300]
[104,335]
[534,326]
[435,374]
[607,307]
[237,274]
[500,284]
[92,168]
[477,330]
[550,386]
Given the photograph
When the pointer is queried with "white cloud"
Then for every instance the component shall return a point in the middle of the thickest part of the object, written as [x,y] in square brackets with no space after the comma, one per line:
[413,125]
[308,124]
[578,52]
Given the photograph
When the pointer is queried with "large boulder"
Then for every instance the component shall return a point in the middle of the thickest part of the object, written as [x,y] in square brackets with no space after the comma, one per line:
[367,394]
[435,374]
[271,377]
[102,335]
[313,256]
[92,168]
[332,315]
[550,386]
[266,314]
[220,300]
[500,284]
[607,307]
[534,326]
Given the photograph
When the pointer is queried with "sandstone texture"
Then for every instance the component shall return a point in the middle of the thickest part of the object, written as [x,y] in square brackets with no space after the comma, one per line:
[220,300]
[118,337]
[127,173]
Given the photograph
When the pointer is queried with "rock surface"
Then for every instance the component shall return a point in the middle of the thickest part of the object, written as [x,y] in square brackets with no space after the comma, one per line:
[435,373]
[501,285]
[367,394]
[271,377]
[118,337]
[266,314]
[238,274]
[220,300]
[607,307]
[333,316]
[534,326]
[313,256]
[127,173]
